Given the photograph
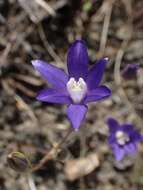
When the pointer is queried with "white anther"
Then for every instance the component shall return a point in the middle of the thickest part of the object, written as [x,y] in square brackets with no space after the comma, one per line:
[121,137]
[77,89]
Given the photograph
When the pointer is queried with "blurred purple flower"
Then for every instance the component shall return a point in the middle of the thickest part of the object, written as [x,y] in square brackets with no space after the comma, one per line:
[78,88]
[130,71]
[123,138]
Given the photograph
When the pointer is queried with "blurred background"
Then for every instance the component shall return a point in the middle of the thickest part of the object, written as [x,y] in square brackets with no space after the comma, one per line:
[44,29]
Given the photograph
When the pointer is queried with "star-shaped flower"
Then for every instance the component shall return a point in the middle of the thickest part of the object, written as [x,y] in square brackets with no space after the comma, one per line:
[76,89]
[123,139]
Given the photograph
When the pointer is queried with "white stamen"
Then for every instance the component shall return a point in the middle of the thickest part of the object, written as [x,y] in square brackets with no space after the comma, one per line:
[77,89]
[121,137]
[106,58]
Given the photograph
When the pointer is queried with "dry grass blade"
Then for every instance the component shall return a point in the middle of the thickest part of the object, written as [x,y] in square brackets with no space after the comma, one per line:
[33,9]
[108,10]
[48,47]
[28,79]
[46,6]
[23,106]
[31,183]
[17,85]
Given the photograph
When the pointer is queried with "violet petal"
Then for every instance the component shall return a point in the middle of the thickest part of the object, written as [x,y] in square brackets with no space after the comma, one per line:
[55,76]
[118,151]
[53,96]
[96,73]
[76,115]
[130,148]
[113,125]
[77,60]
[128,128]
[135,136]
[112,139]
[98,93]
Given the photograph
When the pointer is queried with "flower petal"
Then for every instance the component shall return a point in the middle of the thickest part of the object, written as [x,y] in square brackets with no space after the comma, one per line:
[131,148]
[97,94]
[76,114]
[112,139]
[55,76]
[113,125]
[77,60]
[118,151]
[128,128]
[135,136]
[96,73]
[53,96]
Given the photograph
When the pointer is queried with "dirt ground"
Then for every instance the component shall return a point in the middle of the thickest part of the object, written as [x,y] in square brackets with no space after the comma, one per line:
[44,29]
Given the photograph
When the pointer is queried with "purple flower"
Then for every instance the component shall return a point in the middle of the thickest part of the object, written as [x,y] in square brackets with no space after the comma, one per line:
[130,71]
[123,138]
[78,88]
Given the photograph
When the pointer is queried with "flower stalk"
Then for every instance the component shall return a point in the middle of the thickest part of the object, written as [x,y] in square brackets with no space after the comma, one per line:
[52,153]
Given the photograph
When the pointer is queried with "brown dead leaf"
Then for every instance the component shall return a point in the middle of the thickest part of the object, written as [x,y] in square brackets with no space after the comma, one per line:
[77,168]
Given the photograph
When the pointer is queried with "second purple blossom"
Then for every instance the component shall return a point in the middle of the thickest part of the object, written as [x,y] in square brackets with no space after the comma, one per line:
[123,138]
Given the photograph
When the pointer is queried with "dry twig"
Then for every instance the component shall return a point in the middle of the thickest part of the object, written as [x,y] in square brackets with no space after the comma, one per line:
[52,153]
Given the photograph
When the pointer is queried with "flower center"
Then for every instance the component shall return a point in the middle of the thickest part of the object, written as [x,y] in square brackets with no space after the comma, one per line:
[77,89]
[122,138]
